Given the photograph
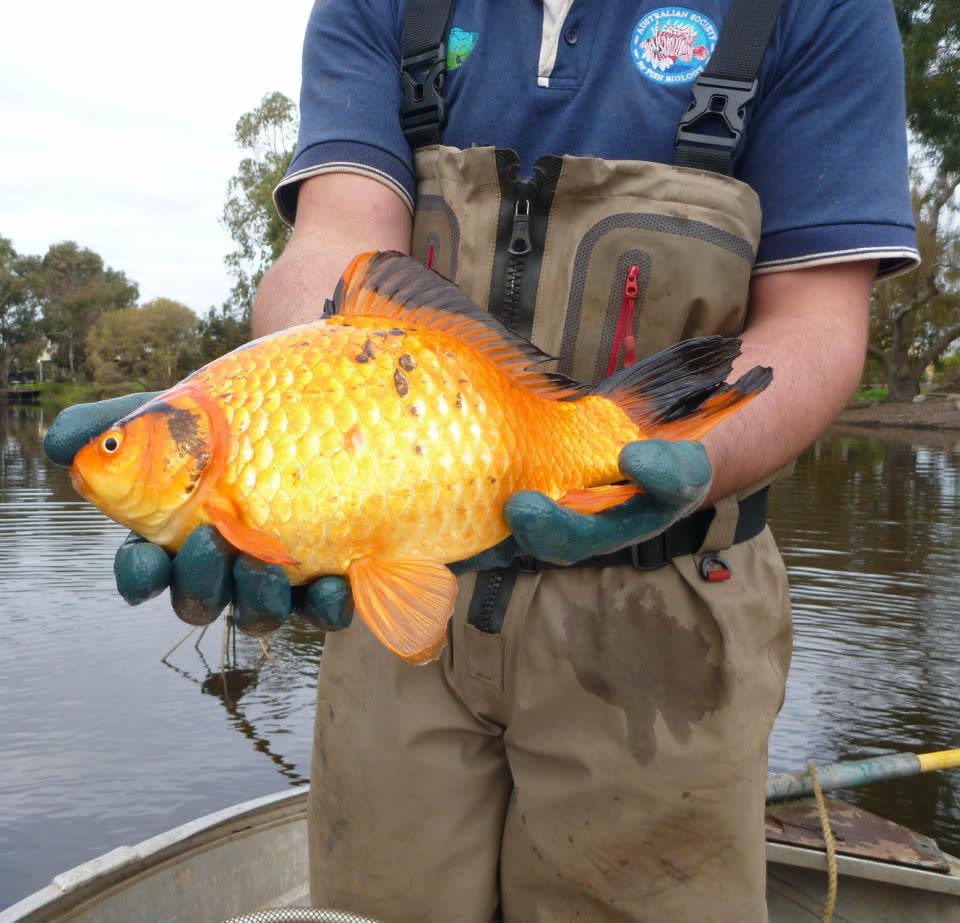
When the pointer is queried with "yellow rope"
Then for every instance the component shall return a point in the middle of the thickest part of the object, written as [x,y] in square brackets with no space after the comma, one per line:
[831,901]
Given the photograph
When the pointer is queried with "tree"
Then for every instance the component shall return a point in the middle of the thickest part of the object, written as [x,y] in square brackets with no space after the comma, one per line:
[220,332]
[916,316]
[267,133]
[930,30]
[155,345]
[20,335]
[74,288]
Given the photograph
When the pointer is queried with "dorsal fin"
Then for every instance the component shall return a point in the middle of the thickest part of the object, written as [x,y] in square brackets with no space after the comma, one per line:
[389,284]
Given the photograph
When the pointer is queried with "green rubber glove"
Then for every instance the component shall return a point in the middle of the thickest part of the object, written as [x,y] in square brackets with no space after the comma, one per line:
[675,475]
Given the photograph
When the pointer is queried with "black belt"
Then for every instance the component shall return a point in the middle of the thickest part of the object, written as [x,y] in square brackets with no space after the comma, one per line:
[683,537]
[491,596]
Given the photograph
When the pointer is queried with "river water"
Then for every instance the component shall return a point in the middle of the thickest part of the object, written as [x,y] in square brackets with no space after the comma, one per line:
[103,744]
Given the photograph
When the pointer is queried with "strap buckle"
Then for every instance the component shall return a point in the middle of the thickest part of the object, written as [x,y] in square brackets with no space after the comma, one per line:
[422,110]
[716,99]
[654,552]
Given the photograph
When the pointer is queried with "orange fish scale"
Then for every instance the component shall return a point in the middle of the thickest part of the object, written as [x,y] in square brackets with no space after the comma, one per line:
[349,437]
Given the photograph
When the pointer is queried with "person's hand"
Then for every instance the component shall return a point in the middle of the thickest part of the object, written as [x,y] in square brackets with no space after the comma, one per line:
[675,477]
[207,574]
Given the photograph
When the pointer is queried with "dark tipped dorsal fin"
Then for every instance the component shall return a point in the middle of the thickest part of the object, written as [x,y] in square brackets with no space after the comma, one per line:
[392,285]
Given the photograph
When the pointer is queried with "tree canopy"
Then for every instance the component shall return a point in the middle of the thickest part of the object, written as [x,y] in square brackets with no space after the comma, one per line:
[267,133]
[20,334]
[153,346]
[74,288]
[931,49]
[916,316]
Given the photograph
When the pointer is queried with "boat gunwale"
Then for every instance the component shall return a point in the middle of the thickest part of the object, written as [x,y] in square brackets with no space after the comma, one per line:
[99,878]
[868,869]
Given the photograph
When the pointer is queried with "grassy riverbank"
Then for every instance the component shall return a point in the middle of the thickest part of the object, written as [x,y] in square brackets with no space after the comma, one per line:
[56,395]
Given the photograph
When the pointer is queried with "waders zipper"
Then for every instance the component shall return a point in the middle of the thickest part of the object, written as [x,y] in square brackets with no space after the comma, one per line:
[521,232]
[624,337]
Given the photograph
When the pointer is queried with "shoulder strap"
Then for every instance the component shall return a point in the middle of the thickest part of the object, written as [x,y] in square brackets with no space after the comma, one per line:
[423,70]
[711,129]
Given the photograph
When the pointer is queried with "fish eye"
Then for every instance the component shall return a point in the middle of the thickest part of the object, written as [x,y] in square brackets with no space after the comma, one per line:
[110,443]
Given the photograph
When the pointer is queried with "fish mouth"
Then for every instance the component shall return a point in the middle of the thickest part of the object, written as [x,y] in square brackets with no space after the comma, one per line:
[79,483]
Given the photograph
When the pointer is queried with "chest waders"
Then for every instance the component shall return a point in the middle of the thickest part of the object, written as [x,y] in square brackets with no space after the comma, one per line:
[599,262]
[591,744]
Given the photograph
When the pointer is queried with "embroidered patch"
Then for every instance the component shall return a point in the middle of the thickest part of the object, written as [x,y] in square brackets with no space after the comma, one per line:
[673,44]
[459,44]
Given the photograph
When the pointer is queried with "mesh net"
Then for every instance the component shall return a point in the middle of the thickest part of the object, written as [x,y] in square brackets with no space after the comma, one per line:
[300,915]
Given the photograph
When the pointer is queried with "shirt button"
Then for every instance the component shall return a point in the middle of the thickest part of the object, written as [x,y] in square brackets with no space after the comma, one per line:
[571,36]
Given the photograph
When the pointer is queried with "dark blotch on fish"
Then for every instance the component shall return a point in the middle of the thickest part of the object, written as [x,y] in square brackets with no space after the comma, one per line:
[202,459]
[397,332]
[184,430]
[418,449]
[367,353]
[407,362]
[400,383]
[492,479]
[414,410]
[458,403]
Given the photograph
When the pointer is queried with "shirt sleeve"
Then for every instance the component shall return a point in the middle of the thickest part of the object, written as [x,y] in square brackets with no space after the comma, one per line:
[826,148]
[350,100]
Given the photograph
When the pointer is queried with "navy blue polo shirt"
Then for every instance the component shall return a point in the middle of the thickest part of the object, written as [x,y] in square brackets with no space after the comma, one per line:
[825,145]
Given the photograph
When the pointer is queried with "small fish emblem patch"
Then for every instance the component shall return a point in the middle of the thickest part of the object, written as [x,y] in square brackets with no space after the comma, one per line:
[459,45]
[672,45]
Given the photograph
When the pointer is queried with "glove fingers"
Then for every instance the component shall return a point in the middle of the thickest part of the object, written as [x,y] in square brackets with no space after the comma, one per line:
[673,473]
[327,603]
[552,532]
[142,570]
[202,581]
[77,425]
[261,594]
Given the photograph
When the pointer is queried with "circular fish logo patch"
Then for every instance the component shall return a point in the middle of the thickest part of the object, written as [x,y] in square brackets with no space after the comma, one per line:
[673,44]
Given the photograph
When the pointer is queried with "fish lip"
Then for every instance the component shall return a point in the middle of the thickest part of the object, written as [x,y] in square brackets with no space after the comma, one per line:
[79,482]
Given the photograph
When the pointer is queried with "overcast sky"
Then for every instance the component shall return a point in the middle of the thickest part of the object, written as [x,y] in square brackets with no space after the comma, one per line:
[116,128]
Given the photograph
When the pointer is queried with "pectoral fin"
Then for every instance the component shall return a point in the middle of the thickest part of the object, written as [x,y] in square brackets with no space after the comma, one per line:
[406,603]
[598,499]
[257,544]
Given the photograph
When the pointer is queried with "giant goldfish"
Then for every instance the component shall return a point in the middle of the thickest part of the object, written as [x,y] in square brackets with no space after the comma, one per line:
[382,441]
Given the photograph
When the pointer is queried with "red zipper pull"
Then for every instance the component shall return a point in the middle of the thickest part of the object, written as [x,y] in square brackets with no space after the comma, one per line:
[431,255]
[623,337]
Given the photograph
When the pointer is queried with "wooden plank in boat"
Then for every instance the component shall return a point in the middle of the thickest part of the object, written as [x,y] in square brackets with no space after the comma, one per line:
[857,833]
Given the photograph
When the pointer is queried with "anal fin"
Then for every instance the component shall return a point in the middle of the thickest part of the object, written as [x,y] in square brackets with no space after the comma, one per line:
[257,544]
[598,499]
[405,602]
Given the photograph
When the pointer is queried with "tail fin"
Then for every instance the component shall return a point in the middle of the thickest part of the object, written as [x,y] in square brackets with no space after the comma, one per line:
[680,393]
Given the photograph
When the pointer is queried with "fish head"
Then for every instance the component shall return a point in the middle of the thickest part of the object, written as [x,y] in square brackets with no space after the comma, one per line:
[149,470]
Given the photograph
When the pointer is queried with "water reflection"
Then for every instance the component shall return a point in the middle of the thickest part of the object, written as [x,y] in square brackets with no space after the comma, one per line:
[104,744]
[869,530]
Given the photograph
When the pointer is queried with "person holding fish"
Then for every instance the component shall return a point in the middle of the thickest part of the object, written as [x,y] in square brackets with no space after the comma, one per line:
[625,188]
